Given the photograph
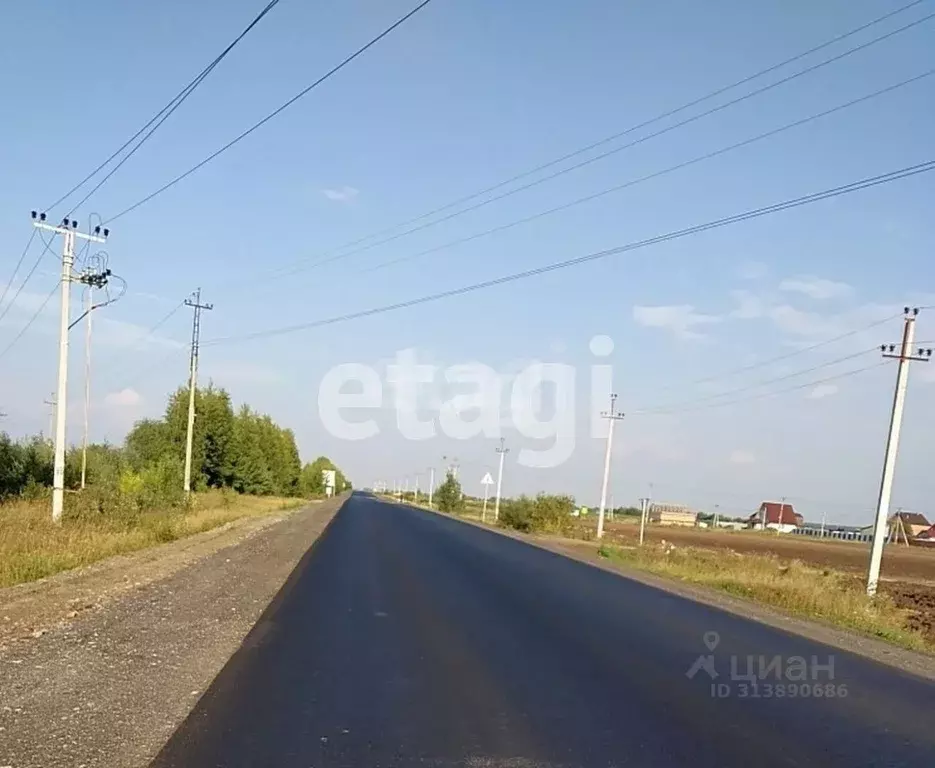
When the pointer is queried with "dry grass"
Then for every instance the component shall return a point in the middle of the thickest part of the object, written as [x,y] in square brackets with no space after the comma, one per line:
[799,589]
[33,547]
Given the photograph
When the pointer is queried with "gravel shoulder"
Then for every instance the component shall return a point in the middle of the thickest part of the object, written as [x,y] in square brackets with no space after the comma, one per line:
[99,666]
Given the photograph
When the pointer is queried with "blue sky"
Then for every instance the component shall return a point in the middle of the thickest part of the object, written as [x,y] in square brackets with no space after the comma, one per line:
[460,98]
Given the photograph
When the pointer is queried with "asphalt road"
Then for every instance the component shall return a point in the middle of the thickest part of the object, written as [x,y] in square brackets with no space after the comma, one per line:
[408,639]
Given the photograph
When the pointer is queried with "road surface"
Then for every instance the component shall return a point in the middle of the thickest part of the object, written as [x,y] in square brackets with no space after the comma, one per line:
[408,639]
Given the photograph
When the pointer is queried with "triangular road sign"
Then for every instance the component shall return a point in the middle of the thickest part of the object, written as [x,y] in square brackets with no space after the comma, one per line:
[488,480]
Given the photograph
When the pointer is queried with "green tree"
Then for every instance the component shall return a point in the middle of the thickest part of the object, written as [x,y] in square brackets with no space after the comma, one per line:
[251,471]
[448,495]
[147,442]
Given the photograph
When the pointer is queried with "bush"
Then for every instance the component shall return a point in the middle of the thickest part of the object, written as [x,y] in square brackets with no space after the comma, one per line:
[448,495]
[545,513]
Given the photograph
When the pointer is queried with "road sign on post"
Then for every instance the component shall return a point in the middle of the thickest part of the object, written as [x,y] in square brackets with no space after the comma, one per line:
[328,478]
[486,481]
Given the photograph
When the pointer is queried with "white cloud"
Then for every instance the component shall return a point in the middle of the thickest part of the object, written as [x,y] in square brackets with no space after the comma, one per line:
[343,194]
[741,457]
[125,398]
[816,287]
[822,391]
[680,319]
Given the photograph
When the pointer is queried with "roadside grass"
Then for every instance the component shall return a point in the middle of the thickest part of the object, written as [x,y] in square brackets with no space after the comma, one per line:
[33,547]
[790,585]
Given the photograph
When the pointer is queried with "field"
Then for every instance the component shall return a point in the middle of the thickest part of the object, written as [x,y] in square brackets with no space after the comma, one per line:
[899,562]
[908,576]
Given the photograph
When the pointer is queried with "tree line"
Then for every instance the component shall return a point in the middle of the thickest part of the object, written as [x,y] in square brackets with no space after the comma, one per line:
[244,451]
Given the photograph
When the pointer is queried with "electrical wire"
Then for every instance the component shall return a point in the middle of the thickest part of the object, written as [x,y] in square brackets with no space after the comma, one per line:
[336,255]
[147,334]
[149,368]
[159,118]
[648,177]
[30,321]
[763,395]
[334,70]
[796,352]
[35,266]
[855,186]
[756,385]
[19,263]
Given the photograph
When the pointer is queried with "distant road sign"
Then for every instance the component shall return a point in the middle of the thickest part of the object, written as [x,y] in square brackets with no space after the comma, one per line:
[487,480]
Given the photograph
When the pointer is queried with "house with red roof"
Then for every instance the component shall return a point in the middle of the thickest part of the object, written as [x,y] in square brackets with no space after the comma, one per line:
[775,515]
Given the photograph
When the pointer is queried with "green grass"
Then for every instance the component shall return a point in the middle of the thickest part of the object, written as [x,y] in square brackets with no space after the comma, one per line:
[33,547]
[790,585]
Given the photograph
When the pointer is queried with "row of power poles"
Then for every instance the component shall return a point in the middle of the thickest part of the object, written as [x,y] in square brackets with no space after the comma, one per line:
[402,488]
[905,353]
[96,278]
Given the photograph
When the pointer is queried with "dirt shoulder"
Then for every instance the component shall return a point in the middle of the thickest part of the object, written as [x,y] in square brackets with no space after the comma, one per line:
[98,666]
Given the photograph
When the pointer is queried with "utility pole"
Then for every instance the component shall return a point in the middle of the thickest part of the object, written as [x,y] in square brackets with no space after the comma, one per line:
[51,403]
[644,512]
[195,304]
[91,278]
[431,484]
[613,416]
[417,488]
[87,386]
[503,452]
[905,356]
[69,231]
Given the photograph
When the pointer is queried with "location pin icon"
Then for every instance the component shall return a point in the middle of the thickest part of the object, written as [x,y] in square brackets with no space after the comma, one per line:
[711,639]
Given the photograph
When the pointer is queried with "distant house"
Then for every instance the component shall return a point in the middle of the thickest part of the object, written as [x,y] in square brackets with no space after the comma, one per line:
[927,536]
[672,514]
[776,515]
[911,522]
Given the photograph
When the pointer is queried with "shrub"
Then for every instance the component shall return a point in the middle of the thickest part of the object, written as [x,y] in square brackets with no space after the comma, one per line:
[448,495]
[546,513]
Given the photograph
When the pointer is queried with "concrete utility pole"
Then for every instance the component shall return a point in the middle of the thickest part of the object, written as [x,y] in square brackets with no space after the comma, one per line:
[431,483]
[503,452]
[194,303]
[51,403]
[644,512]
[613,416]
[905,356]
[69,231]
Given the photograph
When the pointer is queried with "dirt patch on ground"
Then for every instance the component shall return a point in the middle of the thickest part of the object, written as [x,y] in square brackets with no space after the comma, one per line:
[919,600]
[899,562]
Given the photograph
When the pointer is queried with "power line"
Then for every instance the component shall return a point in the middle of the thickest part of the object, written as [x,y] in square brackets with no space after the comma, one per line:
[855,186]
[159,118]
[271,115]
[755,385]
[650,176]
[30,321]
[47,249]
[19,263]
[796,352]
[336,255]
[764,395]
[148,334]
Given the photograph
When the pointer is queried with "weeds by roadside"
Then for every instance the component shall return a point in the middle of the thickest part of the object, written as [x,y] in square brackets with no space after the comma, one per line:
[33,547]
[814,593]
